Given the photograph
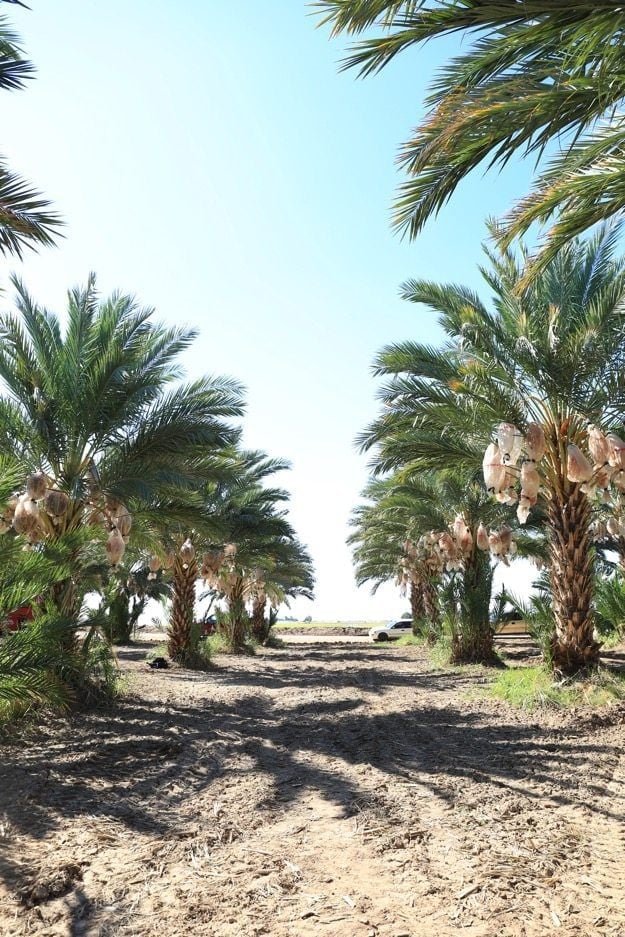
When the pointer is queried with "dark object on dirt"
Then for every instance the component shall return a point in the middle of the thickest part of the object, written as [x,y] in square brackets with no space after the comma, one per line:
[54,885]
[159,663]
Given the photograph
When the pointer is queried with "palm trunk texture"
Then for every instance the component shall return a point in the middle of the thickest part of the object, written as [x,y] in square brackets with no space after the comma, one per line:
[417,607]
[183,605]
[573,647]
[432,611]
[260,629]
[473,639]
[234,623]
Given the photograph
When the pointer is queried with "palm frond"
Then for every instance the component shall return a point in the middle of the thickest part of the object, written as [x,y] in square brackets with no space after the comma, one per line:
[530,74]
[25,216]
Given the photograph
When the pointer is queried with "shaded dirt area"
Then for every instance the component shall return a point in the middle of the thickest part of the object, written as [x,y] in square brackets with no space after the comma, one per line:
[343,791]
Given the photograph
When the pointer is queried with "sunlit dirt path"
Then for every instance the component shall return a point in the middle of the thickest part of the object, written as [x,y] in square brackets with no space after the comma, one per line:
[338,790]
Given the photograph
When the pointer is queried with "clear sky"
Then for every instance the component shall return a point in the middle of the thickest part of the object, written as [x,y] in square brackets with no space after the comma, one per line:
[209,158]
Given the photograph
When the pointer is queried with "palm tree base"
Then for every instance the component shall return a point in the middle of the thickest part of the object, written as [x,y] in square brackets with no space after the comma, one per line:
[259,624]
[235,642]
[573,658]
[430,633]
[234,625]
[474,648]
[432,618]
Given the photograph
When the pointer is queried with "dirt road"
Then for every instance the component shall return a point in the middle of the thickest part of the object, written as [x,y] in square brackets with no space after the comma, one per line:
[338,791]
[303,638]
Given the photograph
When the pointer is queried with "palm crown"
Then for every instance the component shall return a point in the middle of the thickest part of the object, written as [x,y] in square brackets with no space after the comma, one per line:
[555,353]
[102,401]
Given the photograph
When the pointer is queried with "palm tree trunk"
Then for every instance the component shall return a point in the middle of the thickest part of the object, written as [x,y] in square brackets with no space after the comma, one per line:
[65,595]
[573,647]
[620,549]
[260,630]
[179,646]
[431,609]
[417,607]
[472,640]
[234,622]
[118,627]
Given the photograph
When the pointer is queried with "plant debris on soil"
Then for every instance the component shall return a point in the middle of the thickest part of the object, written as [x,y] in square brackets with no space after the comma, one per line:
[338,790]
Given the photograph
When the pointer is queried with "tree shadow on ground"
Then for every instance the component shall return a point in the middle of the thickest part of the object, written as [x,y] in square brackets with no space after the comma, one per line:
[140,762]
[368,679]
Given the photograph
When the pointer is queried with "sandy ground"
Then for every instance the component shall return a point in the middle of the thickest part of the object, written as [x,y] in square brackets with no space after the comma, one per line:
[313,791]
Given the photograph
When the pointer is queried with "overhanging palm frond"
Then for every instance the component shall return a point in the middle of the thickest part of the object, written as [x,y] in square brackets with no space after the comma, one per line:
[14,68]
[533,73]
[26,219]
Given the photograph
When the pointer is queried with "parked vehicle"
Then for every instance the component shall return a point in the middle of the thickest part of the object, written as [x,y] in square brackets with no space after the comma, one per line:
[509,622]
[17,618]
[396,628]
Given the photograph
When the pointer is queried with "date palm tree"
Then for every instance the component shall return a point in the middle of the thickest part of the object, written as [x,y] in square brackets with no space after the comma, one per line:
[554,357]
[98,408]
[381,528]
[404,508]
[25,217]
[528,74]
[262,545]
[283,571]
[127,594]
[243,523]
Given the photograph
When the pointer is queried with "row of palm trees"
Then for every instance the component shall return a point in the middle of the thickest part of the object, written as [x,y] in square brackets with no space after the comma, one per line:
[529,383]
[432,533]
[244,549]
[534,379]
[119,478]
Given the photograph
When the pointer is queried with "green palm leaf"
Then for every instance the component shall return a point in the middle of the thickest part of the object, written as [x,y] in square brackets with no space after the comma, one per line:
[26,219]
[531,74]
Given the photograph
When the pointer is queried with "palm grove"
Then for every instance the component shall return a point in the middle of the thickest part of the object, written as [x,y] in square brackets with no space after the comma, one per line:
[507,439]
[119,481]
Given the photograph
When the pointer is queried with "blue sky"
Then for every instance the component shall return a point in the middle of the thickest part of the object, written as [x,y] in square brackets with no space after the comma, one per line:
[210,158]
